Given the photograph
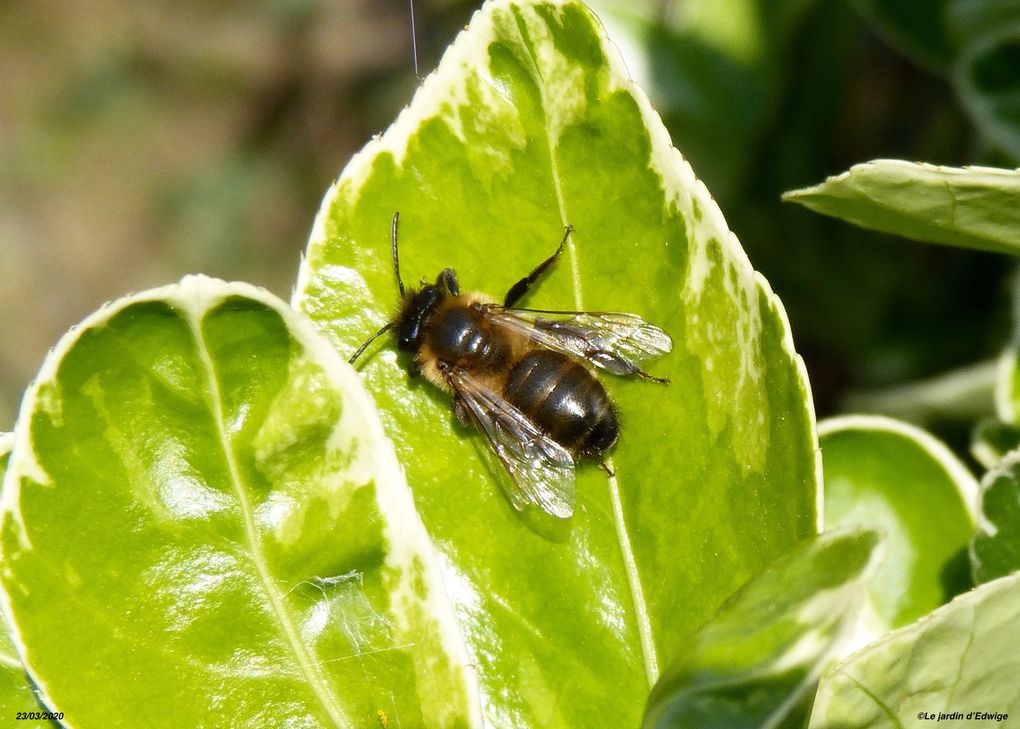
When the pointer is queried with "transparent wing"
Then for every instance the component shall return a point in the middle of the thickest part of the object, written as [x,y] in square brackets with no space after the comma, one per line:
[616,343]
[540,471]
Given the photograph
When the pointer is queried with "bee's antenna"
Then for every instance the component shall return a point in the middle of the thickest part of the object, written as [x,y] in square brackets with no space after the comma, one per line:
[414,40]
[368,341]
[396,258]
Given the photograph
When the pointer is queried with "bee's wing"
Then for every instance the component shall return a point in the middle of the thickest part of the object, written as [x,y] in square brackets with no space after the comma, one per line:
[540,470]
[616,343]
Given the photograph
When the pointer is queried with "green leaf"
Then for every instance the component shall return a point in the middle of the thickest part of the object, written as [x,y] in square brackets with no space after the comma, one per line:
[1007,387]
[992,440]
[15,689]
[917,27]
[754,662]
[961,658]
[715,73]
[202,519]
[961,395]
[986,69]
[996,437]
[6,441]
[529,124]
[702,72]
[887,475]
[995,550]
[970,207]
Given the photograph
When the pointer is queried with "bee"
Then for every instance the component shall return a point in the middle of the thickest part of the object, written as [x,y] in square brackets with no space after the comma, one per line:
[523,377]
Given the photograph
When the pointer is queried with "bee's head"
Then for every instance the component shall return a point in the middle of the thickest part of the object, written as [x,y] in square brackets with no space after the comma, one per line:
[416,305]
[415,309]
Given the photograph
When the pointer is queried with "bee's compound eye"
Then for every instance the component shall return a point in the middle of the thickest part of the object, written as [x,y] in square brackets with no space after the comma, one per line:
[409,333]
[414,317]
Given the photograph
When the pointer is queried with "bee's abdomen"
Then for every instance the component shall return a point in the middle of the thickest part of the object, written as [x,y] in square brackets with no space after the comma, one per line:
[565,400]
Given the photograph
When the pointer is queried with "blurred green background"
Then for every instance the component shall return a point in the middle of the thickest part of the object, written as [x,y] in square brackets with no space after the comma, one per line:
[143,141]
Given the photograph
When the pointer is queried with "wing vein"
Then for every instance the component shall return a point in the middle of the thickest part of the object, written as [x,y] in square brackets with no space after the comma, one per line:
[540,471]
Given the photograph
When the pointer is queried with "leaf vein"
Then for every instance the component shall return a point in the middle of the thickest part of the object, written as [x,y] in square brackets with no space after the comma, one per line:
[309,667]
[644,626]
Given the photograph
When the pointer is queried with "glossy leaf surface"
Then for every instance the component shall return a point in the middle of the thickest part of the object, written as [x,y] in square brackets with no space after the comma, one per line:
[970,207]
[961,658]
[201,487]
[530,123]
[887,475]
[751,665]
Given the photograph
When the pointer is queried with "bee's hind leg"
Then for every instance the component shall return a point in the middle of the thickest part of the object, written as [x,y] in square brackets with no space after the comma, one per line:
[617,365]
[605,467]
[520,288]
[651,378]
[460,411]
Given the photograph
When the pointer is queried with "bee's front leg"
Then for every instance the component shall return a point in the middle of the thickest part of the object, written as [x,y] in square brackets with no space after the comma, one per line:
[448,280]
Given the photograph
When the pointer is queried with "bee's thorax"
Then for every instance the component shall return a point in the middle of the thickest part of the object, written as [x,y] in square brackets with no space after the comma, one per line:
[459,334]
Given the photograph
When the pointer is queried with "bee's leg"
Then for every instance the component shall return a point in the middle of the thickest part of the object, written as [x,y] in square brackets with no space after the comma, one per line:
[448,279]
[605,467]
[520,288]
[461,412]
[617,365]
[651,378]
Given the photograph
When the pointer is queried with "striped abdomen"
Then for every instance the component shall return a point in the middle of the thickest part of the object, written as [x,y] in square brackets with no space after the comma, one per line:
[565,400]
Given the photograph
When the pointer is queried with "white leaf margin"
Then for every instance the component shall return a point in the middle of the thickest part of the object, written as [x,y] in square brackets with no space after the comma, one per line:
[966,485]
[869,625]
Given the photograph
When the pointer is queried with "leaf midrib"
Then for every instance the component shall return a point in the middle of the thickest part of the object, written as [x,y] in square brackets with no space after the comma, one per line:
[649,656]
[309,668]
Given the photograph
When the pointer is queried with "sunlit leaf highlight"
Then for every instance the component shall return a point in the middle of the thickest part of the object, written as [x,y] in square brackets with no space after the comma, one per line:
[203,524]
[531,123]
